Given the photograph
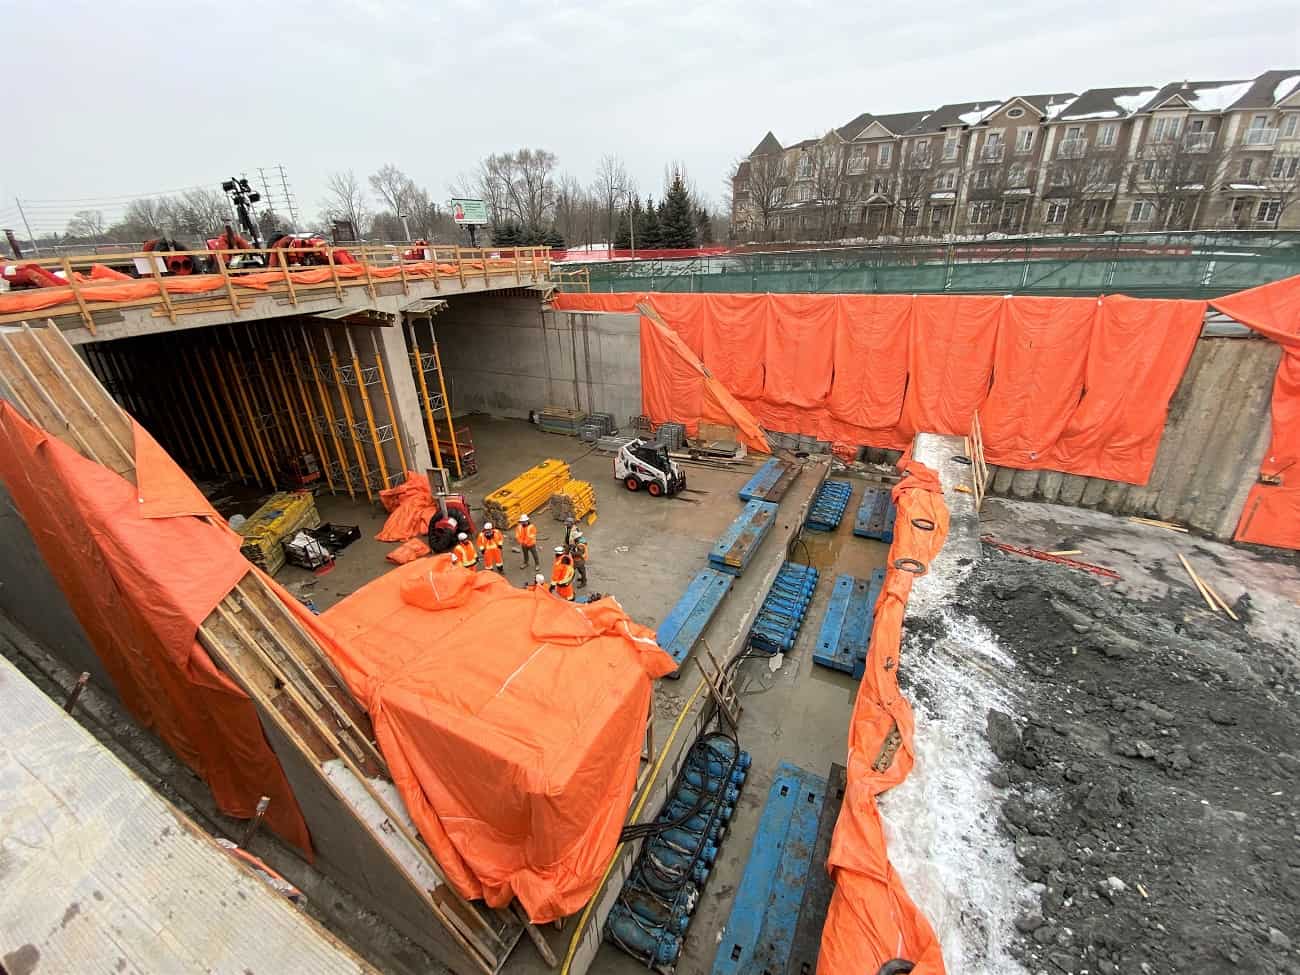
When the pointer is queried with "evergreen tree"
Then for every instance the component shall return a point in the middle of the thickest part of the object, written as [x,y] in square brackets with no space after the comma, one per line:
[553,238]
[648,233]
[629,218]
[508,234]
[704,226]
[677,221]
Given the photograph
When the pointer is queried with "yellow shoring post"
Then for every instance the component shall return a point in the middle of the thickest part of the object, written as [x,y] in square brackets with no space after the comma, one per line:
[250,459]
[191,375]
[164,408]
[388,401]
[347,416]
[446,400]
[323,393]
[370,413]
[309,416]
[272,420]
[269,358]
[199,435]
[216,411]
[241,395]
[418,360]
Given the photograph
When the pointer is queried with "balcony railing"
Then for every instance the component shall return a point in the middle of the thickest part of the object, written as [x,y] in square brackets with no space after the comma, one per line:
[1259,137]
[1198,141]
[993,153]
[950,151]
[857,166]
[1072,148]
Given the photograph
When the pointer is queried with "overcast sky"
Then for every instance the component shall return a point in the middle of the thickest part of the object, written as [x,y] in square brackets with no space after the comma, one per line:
[105,103]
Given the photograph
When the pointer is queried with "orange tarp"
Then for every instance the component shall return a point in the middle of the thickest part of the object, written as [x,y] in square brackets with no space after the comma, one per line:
[871,919]
[410,506]
[1072,384]
[141,572]
[512,722]
[1271,515]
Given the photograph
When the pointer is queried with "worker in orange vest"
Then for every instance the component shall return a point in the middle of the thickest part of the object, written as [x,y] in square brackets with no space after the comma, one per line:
[562,574]
[526,536]
[489,543]
[466,552]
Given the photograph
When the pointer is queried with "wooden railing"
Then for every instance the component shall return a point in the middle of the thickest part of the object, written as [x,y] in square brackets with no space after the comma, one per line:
[278,272]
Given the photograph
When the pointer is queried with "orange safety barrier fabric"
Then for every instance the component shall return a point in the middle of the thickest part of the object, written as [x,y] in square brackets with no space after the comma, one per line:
[1271,515]
[140,573]
[1080,385]
[408,551]
[512,722]
[871,919]
[410,506]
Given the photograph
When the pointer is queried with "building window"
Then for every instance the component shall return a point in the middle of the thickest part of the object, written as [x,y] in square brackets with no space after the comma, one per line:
[1141,212]
[1056,212]
[880,186]
[1106,136]
[911,216]
[951,146]
[947,180]
[1290,125]
[858,159]
[805,166]
[1284,167]
[1015,112]
[1016,175]
[1098,171]
[938,216]
[1155,169]
[1166,128]
[981,212]
[1247,169]
[980,180]
[1268,211]
[886,154]
[1024,140]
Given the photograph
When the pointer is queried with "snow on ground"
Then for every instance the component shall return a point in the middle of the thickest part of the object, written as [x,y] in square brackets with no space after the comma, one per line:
[941,823]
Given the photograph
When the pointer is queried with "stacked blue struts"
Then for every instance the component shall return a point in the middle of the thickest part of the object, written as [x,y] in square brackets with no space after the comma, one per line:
[828,506]
[783,609]
[655,906]
[681,628]
[876,514]
[845,632]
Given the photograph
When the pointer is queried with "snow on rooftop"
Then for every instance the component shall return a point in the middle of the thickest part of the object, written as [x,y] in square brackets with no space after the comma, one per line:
[1128,104]
[977,115]
[1056,108]
[1285,87]
[1109,113]
[1217,97]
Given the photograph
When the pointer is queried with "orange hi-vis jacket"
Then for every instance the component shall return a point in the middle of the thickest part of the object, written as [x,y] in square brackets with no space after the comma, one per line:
[526,535]
[490,546]
[466,553]
[562,577]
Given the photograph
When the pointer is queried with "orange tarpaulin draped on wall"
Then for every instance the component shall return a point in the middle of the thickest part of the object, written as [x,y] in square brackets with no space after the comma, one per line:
[951,360]
[1138,353]
[733,336]
[141,574]
[1038,370]
[622,302]
[512,722]
[676,387]
[1271,515]
[871,919]
[801,334]
[871,346]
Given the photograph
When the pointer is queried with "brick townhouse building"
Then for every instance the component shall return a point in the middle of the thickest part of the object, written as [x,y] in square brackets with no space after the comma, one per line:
[1187,155]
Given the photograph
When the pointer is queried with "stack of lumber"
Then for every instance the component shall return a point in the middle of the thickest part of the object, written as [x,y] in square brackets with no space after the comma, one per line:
[575,500]
[526,493]
[283,515]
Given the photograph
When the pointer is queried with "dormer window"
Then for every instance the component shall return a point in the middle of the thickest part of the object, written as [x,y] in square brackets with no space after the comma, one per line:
[1015,113]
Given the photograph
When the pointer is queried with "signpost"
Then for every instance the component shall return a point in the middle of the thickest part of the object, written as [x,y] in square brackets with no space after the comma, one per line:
[470,213]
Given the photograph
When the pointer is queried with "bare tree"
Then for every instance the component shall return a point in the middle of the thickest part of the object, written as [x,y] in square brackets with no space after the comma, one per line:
[759,190]
[1080,189]
[393,187]
[86,223]
[915,183]
[346,200]
[574,211]
[519,187]
[612,188]
[1175,178]
[199,212]
[830,182]
[1274,188]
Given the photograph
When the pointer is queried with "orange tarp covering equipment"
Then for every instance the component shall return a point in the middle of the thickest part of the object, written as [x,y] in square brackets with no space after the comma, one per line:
[1272,512]
[410,505]
[141,572]
[1079,385]
[871,919]
[512,722]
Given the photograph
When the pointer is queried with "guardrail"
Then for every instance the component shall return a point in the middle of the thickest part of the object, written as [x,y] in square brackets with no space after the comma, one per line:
[220,279]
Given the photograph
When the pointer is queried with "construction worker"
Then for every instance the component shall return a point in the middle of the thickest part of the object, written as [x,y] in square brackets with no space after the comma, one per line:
[539,582]
[562,574]
[489,543]
[526,536]
[578,549]
[466,553]
[570,529]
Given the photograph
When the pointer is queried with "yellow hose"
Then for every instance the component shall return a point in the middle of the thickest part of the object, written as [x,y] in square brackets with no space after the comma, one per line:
[636,811]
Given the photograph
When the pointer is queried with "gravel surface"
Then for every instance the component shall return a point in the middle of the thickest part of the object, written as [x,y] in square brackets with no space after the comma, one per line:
[1148,780]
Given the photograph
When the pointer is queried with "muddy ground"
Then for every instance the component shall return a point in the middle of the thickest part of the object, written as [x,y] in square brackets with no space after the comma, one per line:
[1149,781]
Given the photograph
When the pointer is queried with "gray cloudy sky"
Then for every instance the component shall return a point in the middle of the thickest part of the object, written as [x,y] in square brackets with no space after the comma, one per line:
[108,99]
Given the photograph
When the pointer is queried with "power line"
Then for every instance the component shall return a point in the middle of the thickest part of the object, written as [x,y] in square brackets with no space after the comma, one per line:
[123,197]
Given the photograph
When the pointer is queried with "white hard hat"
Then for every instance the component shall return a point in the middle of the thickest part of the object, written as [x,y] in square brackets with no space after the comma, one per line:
[559,550]
[487,526]
[577,534]
[539,579]
[462,537]
[454,560]
[523,518]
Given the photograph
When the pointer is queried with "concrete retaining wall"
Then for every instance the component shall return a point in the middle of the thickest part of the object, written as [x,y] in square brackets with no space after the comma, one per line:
[505,356]
[1216,434]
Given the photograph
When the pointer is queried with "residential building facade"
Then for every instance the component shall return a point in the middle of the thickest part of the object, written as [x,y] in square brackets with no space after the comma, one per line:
[1186,155]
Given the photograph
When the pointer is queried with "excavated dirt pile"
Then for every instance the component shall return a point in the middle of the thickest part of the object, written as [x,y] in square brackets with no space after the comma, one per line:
[1149,785]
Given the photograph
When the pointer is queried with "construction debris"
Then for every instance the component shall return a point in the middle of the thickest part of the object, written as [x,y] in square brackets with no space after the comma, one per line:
[526,493]
[1155,523]
[1034,553]
[282,516]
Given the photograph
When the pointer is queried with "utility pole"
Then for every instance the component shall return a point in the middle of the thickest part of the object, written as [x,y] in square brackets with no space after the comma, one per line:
[406,228]
[288,197]
[30,236]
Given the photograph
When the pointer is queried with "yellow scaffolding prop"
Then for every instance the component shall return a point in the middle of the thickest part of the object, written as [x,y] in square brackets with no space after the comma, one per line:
[283,402]
[249,417]
[417,362]
[272,420]
[370,414]
[186,356]
[388,401]
[347,414]
[446,400]
[329,413]
[244,475]
[307,411]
